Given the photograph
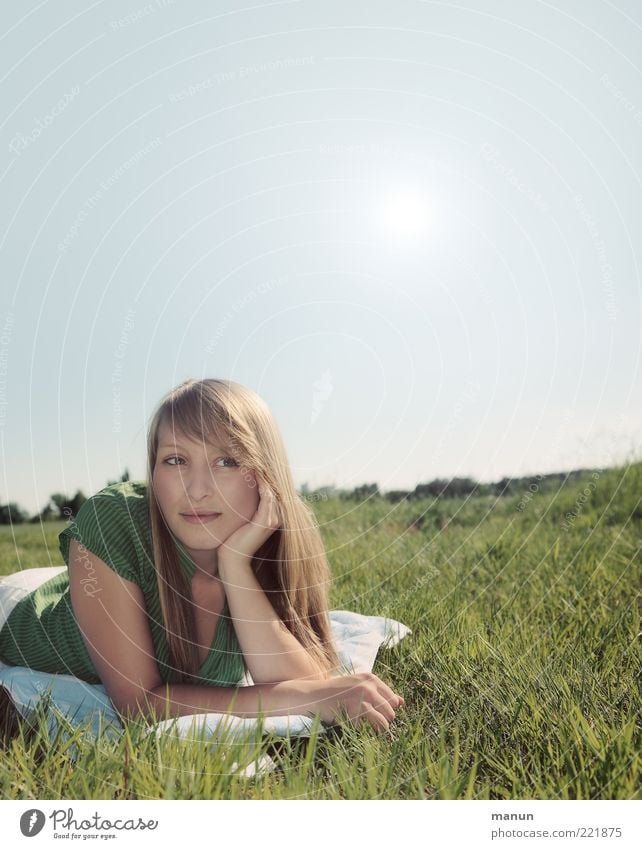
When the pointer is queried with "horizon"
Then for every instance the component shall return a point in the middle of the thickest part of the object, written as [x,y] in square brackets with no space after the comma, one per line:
[381,491]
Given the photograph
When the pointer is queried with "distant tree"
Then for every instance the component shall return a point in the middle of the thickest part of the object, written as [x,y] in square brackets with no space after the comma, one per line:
[322,493]
[124,477]
[485,489]
[396,495]
[434,489]
[65,505]
[47,514]
[460,487]
[363,492]
[503,487]
[77,501]
[59,500]
[12,514]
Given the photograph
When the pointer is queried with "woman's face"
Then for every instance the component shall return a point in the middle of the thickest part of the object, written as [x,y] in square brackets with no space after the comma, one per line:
[191,477]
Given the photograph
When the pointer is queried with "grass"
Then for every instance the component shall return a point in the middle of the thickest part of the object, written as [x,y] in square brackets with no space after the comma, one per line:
[522,677]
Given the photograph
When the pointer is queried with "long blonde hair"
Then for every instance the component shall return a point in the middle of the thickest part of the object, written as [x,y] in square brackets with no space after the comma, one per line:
[291,566]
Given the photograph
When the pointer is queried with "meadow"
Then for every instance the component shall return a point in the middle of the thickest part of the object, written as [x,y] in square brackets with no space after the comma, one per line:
[522,675]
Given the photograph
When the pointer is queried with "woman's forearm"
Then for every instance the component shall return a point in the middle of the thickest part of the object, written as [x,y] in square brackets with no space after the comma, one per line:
[171,700]
[272,653]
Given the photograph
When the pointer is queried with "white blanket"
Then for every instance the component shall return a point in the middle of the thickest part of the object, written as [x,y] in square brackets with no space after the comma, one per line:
[358,639]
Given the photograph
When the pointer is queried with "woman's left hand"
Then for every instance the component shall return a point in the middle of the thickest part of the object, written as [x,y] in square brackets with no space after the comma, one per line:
[246,540]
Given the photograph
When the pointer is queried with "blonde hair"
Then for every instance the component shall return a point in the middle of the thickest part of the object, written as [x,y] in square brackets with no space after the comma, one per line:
[291,566]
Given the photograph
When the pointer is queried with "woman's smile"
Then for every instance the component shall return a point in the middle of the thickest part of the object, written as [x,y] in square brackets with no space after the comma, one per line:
[200,518]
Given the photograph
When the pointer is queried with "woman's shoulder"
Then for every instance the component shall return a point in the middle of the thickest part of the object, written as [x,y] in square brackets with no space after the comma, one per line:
[114,525]
[125,491]
[125,498]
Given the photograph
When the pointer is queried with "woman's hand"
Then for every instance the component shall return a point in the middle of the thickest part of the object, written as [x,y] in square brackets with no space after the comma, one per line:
[246,540]
[361,697]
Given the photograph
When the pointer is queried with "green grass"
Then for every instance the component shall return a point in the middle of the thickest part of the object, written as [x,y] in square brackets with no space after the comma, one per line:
[521,677]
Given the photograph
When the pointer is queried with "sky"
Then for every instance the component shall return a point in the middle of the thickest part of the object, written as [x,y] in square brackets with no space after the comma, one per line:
[413,228]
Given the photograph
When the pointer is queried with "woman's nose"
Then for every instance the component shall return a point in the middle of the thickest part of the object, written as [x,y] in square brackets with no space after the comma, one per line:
[199,483]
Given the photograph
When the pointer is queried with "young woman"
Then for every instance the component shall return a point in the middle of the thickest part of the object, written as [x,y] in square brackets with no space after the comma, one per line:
[212,567]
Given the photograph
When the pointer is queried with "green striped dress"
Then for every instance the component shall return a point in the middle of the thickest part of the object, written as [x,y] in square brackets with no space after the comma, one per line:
[41,631]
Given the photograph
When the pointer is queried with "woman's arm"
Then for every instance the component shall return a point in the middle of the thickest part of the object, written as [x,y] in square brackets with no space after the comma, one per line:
[112,618]
[113,621]
[271,652]
[169,700]
[362,697]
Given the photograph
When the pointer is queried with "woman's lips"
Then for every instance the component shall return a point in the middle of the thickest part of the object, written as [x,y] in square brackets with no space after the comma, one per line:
[199,520]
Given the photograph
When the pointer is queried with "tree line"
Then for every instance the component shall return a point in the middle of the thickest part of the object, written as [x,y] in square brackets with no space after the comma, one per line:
[448,488]
[59,505]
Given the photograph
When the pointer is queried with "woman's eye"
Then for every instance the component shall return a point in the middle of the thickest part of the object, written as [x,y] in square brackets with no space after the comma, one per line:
[231,460]
[180,459]
[172,458]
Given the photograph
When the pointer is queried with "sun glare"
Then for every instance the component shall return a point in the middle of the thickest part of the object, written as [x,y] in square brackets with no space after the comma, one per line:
[404,215]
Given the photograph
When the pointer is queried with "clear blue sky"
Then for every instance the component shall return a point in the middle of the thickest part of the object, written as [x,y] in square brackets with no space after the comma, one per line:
[412,227]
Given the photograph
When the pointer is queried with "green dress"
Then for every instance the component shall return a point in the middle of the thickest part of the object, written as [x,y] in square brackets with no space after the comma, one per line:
[41,631]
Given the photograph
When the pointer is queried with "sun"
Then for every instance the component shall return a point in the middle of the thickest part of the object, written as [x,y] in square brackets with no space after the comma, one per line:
[404,215]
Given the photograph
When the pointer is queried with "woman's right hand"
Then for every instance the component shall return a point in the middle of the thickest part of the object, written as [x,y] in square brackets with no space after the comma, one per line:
[360,697]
